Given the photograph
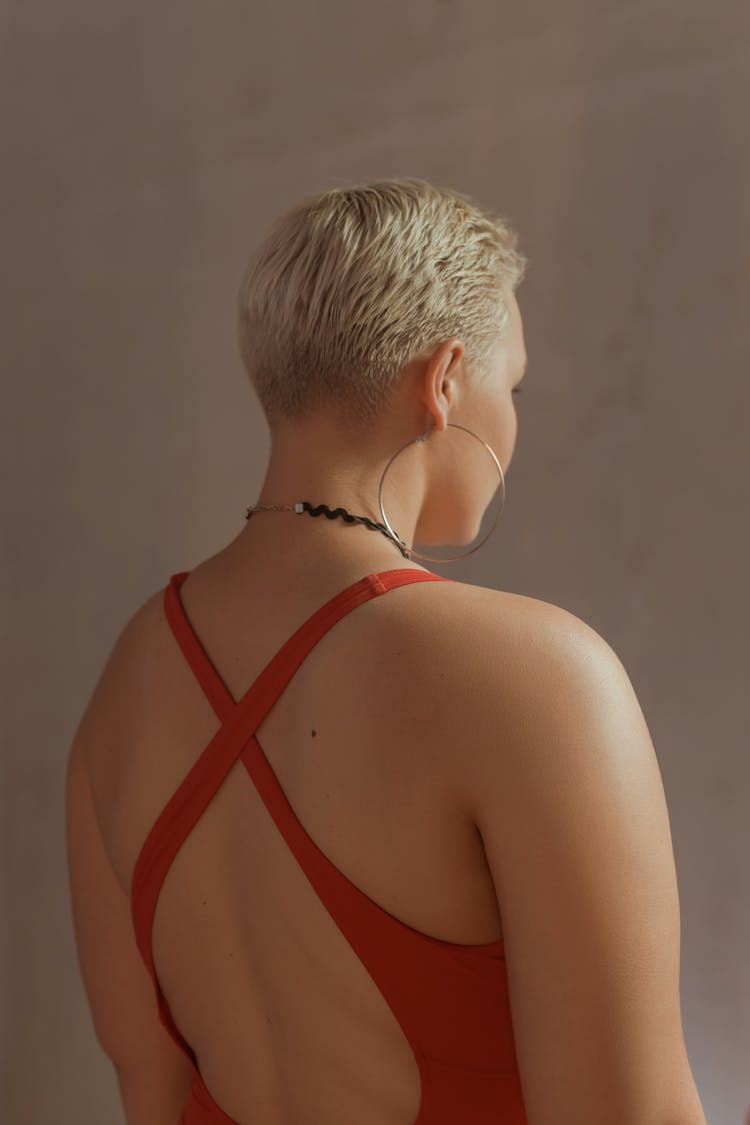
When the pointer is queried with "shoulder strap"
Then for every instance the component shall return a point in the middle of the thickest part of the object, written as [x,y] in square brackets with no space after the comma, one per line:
[214,688]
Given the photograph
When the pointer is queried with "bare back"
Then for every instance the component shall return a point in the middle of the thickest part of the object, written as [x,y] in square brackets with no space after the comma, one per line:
[285,1020]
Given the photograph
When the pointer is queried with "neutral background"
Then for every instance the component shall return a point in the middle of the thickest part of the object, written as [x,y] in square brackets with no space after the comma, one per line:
[145,149]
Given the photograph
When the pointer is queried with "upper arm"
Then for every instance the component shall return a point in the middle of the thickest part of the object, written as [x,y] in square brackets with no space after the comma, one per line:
[569,801]
[117,984]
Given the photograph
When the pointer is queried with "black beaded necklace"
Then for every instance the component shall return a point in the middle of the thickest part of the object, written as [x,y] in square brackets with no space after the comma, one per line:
[331,514]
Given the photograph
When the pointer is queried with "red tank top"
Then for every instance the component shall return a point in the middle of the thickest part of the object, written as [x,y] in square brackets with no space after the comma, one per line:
[450,999]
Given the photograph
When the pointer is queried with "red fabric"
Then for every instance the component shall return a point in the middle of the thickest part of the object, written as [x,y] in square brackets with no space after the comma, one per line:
[451,1000]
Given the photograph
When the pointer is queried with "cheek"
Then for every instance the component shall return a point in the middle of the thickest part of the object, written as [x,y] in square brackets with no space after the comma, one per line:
[496,423]
[506,428]
[507,419]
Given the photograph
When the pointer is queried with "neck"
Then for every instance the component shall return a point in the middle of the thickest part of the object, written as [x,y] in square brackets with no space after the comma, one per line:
[288,545]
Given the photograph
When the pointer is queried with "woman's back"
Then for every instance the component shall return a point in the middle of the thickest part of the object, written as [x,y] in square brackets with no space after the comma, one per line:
[397,739]
[272,995]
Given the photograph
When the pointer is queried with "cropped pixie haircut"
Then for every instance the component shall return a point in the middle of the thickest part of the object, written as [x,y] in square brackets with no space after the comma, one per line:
[348,285]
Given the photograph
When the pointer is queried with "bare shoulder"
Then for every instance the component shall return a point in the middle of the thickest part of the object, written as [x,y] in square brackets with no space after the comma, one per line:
[561,778]
[498,610]
[505,633]
[541,678]
[129,675]
[513,666]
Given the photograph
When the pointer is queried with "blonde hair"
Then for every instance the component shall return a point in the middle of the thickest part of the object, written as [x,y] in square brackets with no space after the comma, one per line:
[351,283]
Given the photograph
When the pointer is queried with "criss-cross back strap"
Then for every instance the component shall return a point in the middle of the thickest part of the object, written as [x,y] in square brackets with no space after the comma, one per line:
[206,673]
[239,721]
[294,650]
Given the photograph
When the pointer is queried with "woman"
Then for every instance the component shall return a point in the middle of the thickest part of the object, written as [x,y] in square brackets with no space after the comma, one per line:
[351,842]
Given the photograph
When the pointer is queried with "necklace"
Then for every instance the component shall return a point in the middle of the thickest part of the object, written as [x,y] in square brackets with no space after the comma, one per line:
[331,514]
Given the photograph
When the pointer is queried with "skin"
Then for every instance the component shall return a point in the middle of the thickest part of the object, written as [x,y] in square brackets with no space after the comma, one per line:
[435,492]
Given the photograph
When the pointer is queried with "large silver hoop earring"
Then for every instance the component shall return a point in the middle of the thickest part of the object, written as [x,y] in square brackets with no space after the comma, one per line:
[409,552]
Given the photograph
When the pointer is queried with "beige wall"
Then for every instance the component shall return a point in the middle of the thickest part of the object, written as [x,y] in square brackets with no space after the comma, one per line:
[145,148]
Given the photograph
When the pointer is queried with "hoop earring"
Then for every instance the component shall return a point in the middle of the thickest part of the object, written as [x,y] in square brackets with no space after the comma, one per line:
[408,552]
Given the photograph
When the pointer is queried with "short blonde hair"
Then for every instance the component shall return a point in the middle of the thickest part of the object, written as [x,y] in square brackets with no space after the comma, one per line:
[351,283]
